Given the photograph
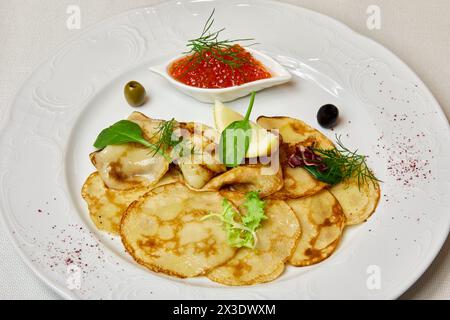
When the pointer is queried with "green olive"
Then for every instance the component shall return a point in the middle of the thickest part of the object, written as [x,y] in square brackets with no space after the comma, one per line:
[134,93]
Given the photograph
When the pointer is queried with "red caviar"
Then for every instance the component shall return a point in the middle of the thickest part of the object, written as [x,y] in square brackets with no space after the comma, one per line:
[212,69]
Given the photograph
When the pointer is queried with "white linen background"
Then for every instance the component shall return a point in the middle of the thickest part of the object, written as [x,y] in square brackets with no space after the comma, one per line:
[30,30]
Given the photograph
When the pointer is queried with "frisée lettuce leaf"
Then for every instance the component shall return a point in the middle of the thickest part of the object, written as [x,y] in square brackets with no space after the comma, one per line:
[241,229]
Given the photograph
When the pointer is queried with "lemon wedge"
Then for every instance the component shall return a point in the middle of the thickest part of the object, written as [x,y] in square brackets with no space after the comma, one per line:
[261,141]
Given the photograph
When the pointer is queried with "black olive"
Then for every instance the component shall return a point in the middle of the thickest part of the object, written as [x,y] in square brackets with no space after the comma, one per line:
[327,115]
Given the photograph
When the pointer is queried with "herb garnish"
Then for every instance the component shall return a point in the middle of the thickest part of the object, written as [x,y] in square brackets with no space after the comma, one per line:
[241,229]
[125,131]
[164,133]
[209,42]
[235,139]
[334,165]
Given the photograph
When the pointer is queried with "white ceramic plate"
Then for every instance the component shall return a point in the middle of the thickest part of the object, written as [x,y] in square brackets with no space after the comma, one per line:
[386,111]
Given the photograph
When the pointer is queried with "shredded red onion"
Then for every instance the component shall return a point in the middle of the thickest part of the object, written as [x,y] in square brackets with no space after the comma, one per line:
[304,156]
[295,161]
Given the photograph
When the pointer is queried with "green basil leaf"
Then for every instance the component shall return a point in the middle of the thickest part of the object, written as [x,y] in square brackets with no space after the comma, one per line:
[124,131]
[331,177]
[119,133]
[234,143]
[235,139]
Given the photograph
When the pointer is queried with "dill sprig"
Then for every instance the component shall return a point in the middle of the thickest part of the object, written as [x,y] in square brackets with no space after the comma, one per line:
[164,134]
[208,42]
[343,164]
[167,138]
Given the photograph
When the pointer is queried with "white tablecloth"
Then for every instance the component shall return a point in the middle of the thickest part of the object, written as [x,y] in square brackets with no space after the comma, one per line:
[416,30]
